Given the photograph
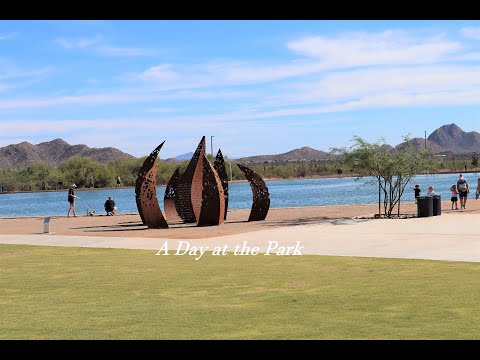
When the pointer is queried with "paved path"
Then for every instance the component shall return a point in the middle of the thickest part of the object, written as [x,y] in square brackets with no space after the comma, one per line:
[454,237]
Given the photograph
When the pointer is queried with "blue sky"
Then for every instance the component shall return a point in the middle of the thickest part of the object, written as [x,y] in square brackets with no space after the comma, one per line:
[259,87]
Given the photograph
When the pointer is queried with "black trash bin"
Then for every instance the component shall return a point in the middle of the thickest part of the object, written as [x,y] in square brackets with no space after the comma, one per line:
[424,206]
[437,205]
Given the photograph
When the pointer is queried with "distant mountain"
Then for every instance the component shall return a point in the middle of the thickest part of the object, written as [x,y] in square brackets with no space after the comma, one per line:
[452,138]
[182,157]
[54,152]
[302,154]
[449,139]
[419,143]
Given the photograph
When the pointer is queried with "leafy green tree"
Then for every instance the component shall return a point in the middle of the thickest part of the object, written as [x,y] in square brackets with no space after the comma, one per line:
[475,160]
[392,169]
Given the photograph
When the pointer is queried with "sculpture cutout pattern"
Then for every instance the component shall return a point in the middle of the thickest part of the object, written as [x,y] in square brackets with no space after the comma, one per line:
[169,198]
[219,166]
[149,202]
[139,185]
[188,201]
[261,197]
[212,210]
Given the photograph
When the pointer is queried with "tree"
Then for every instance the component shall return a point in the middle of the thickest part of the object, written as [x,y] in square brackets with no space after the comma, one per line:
[475,160]
[391,169]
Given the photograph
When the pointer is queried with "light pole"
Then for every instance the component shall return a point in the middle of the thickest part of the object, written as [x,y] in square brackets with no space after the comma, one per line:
[230,170]
[211,145]
[425,139]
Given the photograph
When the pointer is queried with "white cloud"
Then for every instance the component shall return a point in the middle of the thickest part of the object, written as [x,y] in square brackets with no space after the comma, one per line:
[320,54]
[15,73]
[471,32]
[124,51]
[98,45]
[366,49]
[8,36]
[361,83]
[162,72]
[78,43]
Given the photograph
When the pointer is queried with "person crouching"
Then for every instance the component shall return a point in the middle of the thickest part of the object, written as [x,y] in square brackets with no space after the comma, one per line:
[110,207]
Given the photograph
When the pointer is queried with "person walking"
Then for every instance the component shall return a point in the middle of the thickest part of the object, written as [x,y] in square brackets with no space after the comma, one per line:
[119,181]
[463,190]
[454,197]
[71,200]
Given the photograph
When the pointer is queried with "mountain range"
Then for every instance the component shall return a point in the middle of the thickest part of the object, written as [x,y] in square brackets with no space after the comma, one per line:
[303,154]
[54,152]
[447,139]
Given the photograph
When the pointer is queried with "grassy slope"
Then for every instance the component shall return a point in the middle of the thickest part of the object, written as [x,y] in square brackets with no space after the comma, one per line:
[79,293]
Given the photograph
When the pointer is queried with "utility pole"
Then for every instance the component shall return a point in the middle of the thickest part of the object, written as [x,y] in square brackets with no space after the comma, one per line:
[425,139]
[211,145]
[230,170]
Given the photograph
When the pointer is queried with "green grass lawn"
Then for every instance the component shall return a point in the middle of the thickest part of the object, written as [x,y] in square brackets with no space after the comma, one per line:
[82,293]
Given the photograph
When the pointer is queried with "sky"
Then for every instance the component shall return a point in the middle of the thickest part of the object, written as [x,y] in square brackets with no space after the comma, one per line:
[258,87]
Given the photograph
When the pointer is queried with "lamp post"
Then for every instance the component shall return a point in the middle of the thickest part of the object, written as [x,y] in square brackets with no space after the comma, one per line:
[230,170]
[211,145]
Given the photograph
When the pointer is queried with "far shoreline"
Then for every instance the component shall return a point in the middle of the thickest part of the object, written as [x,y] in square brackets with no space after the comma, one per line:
[329,176]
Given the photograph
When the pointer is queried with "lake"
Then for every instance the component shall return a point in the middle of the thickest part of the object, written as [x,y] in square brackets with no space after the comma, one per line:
[283,193]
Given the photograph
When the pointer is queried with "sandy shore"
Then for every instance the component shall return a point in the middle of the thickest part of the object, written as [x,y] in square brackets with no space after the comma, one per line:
[131,226]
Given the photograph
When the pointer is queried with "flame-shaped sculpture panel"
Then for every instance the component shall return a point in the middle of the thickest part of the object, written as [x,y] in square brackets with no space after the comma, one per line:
[213,202]
[188,201]
[219,166]
[169,198]
[261,197]
[142,173]
[149,202]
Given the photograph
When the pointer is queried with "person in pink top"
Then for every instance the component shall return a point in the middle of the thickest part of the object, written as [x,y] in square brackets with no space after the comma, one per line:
[454,198]
[477,195]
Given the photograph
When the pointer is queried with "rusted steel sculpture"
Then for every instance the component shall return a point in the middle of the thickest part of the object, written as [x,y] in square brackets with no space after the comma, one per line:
[261,197]
[212,209]
[219,166]
[169,198]
[141,190]
[188,201]
[148,197]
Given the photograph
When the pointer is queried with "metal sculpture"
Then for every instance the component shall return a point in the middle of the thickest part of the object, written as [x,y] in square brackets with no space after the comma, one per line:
[141,190]
[148,196]
[219,166]
[261,197]
[212,209]
[188,202]
[169,198]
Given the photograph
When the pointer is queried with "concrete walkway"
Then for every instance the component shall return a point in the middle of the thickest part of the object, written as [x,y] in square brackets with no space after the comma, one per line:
[454,237]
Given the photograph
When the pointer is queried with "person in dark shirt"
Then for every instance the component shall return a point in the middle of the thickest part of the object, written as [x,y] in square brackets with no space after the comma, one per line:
[417,191]
[71,200]
[110,206]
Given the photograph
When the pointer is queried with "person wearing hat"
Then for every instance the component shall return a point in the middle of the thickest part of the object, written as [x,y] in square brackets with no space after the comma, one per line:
[463,190]
[71,200]
[417,191]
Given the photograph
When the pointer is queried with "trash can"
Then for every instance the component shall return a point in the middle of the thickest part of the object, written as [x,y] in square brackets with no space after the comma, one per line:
[437,205]
[424,206]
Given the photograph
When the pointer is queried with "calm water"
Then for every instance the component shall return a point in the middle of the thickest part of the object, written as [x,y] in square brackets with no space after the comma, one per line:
[283,193]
